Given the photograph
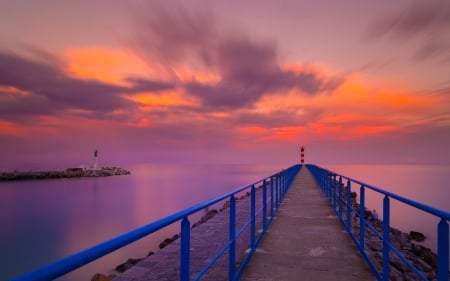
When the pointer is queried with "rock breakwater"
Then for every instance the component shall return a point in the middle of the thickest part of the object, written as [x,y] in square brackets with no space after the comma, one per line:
[423,258]
[68,173]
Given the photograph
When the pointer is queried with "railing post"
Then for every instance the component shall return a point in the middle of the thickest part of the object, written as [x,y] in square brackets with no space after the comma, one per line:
[324,181]
[232,252]
[264,205]
[185,249]
[334,192]
[340,197]
[330,187]
[361,218]
[349,207]
[281,187]
[277,195]
[285,183]
[253,221]
[443,255]
[386,239]
[271,197]
[286,175]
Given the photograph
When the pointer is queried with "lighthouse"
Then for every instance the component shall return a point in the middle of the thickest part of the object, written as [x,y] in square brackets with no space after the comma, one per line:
[95,159]
[302,154]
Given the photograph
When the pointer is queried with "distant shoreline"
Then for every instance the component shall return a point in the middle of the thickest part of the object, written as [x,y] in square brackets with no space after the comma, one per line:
[68,173]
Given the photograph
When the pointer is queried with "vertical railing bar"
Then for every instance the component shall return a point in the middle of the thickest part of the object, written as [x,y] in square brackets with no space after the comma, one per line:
[330,189]
[340,197]
[279,189]
[276,191]
[443,250]
[324,181]
[271,197]
[386,238]
[334,192]
[349,207]
[327,180]
[253,221]
[264,205]
[185,249]
[361,218]
[232,226]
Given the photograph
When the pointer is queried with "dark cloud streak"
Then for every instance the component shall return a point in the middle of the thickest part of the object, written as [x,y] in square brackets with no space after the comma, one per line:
[428,20]
[249,68]
[50,90]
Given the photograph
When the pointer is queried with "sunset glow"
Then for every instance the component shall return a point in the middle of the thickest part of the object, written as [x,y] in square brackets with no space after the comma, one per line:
[201,81]
[104,64]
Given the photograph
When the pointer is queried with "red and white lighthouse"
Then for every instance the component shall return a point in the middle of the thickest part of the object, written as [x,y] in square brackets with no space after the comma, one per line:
[302,154]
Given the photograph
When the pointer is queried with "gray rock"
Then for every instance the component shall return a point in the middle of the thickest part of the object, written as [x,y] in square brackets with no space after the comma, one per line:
[417,236]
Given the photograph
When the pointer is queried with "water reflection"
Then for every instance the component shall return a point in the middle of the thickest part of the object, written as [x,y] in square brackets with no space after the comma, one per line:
[45,220]
[426,184]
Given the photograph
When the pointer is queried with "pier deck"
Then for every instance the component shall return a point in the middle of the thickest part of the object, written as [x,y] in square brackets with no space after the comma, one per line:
[306,241]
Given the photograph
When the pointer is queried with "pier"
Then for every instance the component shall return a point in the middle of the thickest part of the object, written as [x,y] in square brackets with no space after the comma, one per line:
[306,241]
[304,222]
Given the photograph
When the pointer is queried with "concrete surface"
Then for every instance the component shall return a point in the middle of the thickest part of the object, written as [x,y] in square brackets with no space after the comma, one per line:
[306,241]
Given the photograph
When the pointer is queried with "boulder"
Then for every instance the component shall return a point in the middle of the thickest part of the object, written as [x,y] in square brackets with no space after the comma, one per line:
[425,254]
[209,215]
[167,241]
[417,236]
[127,265]
[101,277]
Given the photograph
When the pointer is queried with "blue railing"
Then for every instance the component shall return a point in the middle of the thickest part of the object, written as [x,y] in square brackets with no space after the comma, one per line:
[278,184]
[333,187]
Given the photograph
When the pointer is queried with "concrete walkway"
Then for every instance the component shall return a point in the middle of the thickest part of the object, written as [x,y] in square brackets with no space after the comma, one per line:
[306,241]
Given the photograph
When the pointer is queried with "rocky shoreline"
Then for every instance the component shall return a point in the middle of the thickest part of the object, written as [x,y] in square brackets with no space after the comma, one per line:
[423,258]
[212,226]
[68,173]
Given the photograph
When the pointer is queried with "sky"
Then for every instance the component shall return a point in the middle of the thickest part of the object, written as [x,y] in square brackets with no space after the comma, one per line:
[354,82]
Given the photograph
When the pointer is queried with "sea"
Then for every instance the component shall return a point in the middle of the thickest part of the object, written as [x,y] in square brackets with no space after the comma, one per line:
[45,220]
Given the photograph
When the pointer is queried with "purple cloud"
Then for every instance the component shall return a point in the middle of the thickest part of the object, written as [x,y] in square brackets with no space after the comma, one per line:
[280,118]
[145,85]
[421,17]
[50,90]
[171,34]
[249,69]
[428,20]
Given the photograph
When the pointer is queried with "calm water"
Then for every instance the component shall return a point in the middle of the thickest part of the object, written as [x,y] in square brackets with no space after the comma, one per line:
[43,221]
[427,184]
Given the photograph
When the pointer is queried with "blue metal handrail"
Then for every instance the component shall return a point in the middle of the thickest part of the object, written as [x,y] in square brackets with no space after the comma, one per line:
[279,185]
[332,185]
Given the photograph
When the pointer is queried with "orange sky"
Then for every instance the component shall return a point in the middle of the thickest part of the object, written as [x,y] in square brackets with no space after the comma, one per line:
[191,87]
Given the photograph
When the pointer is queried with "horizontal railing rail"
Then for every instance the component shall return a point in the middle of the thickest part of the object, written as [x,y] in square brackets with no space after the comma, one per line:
[333,186]
[279,185]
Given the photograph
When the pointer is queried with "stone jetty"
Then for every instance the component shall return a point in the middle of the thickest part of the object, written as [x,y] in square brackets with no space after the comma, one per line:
[211,232]
[68,173]
[208,235]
